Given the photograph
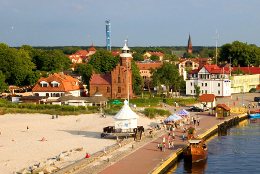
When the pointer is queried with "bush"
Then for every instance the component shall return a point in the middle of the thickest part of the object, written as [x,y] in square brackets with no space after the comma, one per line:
[152,112]
[252,90]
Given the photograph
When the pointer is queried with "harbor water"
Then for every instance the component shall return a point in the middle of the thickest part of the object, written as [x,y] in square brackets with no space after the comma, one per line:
[238,152]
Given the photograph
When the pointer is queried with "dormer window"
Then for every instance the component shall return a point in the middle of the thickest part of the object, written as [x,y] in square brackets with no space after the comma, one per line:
[54,84]
[44,84]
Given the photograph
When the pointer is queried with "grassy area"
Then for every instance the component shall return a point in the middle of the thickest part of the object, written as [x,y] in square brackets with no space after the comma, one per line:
[112,109]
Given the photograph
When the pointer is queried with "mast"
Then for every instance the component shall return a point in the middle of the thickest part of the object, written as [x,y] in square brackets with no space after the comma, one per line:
[216,54]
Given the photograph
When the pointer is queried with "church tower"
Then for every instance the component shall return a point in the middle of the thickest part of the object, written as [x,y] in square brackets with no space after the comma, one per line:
[189,47]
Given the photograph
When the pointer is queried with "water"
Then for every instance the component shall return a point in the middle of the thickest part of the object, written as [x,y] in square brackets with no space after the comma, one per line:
[238,152]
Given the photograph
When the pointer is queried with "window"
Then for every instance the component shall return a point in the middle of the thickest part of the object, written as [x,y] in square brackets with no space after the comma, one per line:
[206,84]
[201,91]
[194,91]
[201,84]
[108,89]
[55,85]
[218,91]
[47,94]
[119,90]
[190,83]
[119,81]
[96,89]
[218,84]
[191,91]
[206,91]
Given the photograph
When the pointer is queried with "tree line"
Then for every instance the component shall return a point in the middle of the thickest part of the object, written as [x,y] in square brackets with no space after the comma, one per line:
[25,65]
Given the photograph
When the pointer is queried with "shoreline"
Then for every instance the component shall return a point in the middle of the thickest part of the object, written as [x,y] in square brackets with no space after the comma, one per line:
[206,135]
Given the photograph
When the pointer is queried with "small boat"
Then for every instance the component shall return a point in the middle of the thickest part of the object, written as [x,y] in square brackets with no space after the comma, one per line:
[196,151]
[255,115]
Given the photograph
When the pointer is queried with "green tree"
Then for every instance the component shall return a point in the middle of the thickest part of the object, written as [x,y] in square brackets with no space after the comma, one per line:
[3,85]
[154,58]
[138,57]
[70,50]
[15,65]
[240,53]
[103,61]
[138,83]
[189,55]
[51,61]
[85,70]
[167,75]
[171,57]
[197,91]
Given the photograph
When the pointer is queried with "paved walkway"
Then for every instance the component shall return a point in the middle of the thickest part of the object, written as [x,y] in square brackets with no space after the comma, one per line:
[148,157]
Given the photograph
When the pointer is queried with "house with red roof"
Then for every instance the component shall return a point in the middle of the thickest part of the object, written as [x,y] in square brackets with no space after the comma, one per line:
[188,64]
[56,85]
[211,79]
[148,54]
[207,100]
[82,55]
[145,67]
[118,82]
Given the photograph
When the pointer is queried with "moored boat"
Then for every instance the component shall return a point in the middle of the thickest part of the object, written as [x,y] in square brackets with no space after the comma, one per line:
[255,115]
[196,151]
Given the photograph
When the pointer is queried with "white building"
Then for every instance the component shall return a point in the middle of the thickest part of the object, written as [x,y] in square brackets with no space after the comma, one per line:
[211,79]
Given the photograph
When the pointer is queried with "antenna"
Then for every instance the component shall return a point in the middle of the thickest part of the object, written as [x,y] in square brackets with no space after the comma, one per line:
[216,54]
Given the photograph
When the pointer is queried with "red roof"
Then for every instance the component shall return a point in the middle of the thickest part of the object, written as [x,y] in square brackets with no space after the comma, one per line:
[115,53]
[100,79]
[148,65]
[66,84]
[82,53]
[207,98]
[92,48]
[156,53]
[214,69]
[223,106]
[247,70]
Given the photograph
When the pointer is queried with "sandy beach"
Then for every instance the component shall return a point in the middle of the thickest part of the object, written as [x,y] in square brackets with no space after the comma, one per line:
[21,148]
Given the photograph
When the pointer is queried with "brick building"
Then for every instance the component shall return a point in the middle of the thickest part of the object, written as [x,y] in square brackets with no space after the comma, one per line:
[117,83]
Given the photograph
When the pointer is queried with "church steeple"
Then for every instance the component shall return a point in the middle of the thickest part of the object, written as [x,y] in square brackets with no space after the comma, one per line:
[189,47]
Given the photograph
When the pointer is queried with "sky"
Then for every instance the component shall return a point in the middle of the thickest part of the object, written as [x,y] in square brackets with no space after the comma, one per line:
[143,22]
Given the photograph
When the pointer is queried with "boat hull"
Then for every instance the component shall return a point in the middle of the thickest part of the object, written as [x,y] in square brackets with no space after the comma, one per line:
[195,154]
[257,115]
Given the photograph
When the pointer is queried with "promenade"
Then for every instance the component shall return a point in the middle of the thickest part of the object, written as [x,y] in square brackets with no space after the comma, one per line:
[147,157]
[144,156]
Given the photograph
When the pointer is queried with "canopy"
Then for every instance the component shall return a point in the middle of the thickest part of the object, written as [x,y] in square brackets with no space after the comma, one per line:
[116,102]
[126,113]
[173,117]
[183,112]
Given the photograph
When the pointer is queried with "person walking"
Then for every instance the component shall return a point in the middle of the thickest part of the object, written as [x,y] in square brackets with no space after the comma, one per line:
[198,121]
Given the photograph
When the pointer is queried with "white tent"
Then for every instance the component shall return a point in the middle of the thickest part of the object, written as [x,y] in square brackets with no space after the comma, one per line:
[126,119]
[173,117]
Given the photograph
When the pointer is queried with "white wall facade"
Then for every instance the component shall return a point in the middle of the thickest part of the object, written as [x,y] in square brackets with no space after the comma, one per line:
[75,93]
[217,84]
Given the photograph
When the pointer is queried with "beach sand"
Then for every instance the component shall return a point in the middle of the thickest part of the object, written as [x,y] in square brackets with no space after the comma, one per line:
[21,148]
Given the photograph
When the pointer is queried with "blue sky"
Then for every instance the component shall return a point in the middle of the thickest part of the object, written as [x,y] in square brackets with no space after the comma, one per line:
[144,22]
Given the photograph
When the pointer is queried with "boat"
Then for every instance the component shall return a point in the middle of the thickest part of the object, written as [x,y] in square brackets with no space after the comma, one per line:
[196,151]
[255,115]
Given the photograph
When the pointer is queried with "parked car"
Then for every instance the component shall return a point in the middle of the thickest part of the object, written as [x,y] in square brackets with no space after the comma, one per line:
[195,109]
[257,99]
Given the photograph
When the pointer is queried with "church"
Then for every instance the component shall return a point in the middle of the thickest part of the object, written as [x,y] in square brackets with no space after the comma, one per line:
[117,83]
